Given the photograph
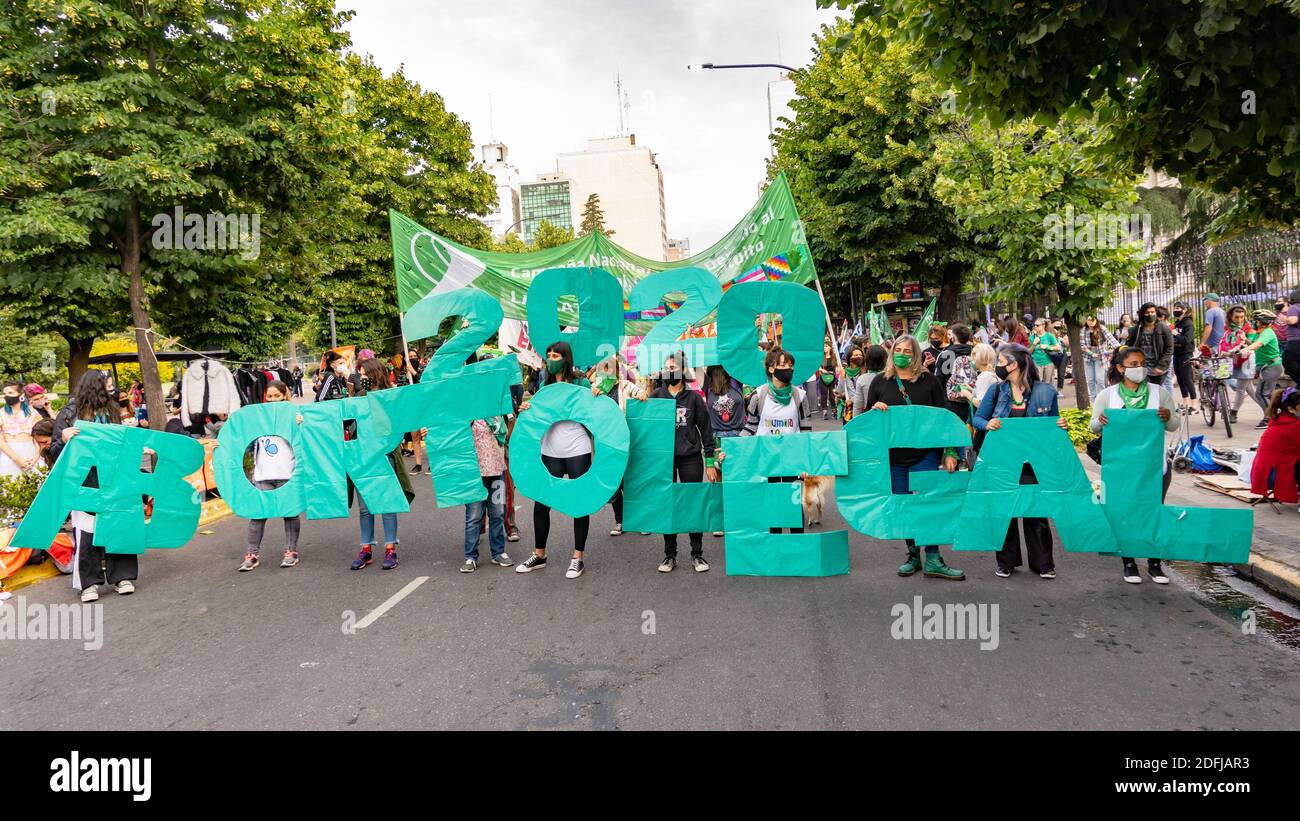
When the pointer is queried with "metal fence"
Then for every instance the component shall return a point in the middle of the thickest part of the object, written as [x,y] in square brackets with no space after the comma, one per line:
[1251,272]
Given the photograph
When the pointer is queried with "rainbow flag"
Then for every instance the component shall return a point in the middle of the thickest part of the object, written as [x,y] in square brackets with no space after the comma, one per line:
[770,270]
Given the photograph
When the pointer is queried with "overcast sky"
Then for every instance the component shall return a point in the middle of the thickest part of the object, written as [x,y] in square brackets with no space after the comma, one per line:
[549,70]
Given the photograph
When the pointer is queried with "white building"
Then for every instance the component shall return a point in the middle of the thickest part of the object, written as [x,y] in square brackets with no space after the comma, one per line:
[678,249]
[505,217]
[631,188]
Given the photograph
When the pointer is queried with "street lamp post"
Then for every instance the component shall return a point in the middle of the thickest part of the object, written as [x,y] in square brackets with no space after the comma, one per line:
[830,330]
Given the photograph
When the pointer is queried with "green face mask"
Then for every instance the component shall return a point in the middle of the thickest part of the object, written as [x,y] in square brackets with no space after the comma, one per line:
[902,360]
[554,366]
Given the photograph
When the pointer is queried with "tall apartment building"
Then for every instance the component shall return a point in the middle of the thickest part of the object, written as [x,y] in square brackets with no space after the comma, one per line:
[505,216]
[631,188]
[549,198]
[678,249]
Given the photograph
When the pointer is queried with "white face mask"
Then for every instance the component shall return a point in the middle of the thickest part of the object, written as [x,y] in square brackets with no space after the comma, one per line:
[1135,374]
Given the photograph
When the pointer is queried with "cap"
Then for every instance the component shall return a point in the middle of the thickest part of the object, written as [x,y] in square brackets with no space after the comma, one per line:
[1211,297]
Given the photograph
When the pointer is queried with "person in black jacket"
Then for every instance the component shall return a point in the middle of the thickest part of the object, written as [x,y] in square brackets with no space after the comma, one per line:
[93,566]
[1184,346]
[907,382]
[694,435]
[1156,340]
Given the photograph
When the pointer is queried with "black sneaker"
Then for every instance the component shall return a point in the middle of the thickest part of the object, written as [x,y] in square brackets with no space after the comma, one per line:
[418,468]
[667,565]
[1261,424]
[1157,573]
[533,562]
[699,564]
[1002,573]
[1131,573]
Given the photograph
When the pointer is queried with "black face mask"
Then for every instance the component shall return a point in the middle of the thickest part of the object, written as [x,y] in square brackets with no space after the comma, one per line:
[1279,307]
[785,375]
[1178,313]
[672,376]
[1149,318]
[13,400]
[1001,372]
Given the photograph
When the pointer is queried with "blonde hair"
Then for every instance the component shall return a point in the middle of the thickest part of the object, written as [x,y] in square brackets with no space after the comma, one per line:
[890,370]
[983,355]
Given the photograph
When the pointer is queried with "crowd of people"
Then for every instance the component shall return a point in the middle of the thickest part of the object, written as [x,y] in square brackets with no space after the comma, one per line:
[1011,368]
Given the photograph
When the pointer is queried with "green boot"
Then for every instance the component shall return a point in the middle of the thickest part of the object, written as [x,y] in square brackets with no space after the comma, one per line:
[935,568]
[913,562]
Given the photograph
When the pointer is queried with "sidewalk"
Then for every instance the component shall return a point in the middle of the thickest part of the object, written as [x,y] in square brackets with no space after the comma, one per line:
[1275,553]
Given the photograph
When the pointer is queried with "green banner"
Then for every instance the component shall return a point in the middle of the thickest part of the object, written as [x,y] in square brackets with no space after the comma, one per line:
[768,244]
[923,324]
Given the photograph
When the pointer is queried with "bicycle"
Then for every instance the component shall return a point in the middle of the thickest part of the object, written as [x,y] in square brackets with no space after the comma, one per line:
[1214,373]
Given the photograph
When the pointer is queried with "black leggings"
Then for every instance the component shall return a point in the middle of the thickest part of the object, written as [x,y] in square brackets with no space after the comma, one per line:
[1183,373]
[686,469]
[573,467]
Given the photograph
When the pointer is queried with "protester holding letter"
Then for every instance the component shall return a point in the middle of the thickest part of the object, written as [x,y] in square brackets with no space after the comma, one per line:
[93,566]
[694,435]
[1019,395]
[566,451]
[273,464]
[906,382]
[374,377]
[1131,388]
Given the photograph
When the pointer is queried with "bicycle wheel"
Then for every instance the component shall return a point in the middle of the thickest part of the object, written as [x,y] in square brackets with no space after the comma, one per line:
[1223,409]
[1209,399]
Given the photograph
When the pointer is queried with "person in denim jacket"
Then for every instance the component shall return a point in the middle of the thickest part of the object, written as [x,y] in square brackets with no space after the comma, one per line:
[1021,395]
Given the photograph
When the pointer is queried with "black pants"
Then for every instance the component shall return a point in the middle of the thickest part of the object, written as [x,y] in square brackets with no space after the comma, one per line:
[1291,360]
[1058,359]
[1164,489]
[617,504]
[1183,373]
[96,566]
[686,469]
[572,467]
[1037,539]
[775,479]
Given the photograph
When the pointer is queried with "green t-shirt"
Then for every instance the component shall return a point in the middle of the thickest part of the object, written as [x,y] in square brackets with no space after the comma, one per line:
[1268,353]
[1047,340]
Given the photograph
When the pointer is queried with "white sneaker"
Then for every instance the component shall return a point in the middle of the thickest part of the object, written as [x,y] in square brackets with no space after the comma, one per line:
[575,569]
[125,587]
[617,531]
[90,594]
[718,533]
[1131,574]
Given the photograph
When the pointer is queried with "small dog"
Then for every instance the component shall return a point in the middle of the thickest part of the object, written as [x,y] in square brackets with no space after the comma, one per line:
[814,498]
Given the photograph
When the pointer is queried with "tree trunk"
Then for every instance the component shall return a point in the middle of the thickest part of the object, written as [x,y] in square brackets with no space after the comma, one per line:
[1073,325]
[78,360]
[131,253]
[949,289]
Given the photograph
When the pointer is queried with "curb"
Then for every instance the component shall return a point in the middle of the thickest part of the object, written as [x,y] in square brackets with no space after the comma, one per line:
[214,510]
[1282,579]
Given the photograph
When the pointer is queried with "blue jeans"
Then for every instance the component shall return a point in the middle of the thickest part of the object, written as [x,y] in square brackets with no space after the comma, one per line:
[368,525]
[1095,370]
[898,479]
[495,507]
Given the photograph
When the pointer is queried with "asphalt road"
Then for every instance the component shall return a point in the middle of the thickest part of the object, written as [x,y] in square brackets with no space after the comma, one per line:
[202,646]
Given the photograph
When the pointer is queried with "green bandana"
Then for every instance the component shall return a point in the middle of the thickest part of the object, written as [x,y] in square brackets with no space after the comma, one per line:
[853,372]
[781,395]
[1137,398]
[606,382]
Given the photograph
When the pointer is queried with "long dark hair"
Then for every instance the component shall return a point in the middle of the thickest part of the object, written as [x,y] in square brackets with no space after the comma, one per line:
[22,399]
[91,398]
[717,381]
[566,356]
[1114,375]
[1024,361]
[374,376]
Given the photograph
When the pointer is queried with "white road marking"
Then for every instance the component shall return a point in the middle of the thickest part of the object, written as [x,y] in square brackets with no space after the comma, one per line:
[373,615]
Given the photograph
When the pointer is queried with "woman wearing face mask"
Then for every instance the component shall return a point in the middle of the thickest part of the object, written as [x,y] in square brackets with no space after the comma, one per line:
[566,451]
[1277,461]
[848,387]
[608,379]
[1131,388]
[1124,329]
[1268,360]
[776,409]
[1096,342]
[1156,341]
[273,464]
[332,377]
[1021,395]
[874,359]
[17,448]
[1043,344]
[906,382]
[1236,337]
[826,383]
[1184,331]
[694,436]
[93,566]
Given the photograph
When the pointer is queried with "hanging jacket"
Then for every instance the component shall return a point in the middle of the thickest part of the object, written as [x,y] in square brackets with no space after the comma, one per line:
[252,385]
[211,381]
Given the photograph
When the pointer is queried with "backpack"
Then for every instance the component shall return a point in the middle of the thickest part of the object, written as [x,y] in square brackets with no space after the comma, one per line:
[963,373]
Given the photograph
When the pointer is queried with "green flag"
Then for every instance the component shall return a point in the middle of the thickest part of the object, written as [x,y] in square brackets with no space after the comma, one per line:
[923,326]
[768,244]
[877,333]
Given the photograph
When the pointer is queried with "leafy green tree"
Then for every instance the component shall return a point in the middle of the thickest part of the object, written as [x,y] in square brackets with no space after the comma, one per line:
[551,236]
[417,158]
[28,355]
[113,112]
[859,155]
[593,217]
[1047,204]
[1201,89]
